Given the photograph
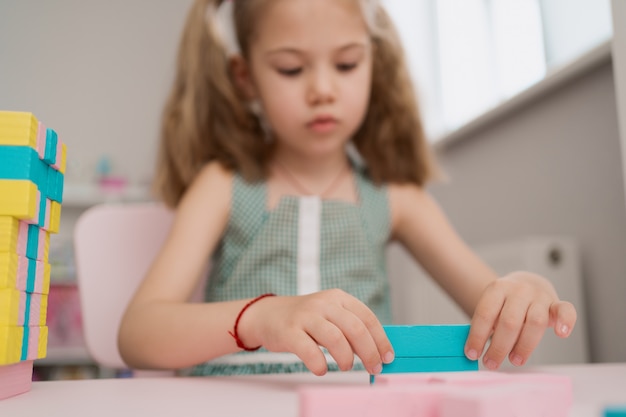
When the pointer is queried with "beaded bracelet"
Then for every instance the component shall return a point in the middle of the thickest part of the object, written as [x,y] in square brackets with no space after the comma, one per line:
[235,333]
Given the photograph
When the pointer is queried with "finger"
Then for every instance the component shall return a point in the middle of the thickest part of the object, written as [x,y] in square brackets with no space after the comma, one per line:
[563,314]
[360,339]
[375,329]
[506,332]
[483,322]
[534,327]
[309,352]
[330,336]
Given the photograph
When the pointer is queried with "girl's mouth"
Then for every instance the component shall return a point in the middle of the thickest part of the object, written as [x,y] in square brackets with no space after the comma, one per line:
[322,124]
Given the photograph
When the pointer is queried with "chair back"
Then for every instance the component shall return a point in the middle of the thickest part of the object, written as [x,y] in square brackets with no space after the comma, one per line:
[115,245]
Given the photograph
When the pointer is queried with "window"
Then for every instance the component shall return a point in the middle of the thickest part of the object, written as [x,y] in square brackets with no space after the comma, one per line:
[467,56]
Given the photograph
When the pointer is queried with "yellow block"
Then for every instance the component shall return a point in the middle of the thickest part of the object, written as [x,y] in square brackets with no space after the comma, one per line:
[45,288]
[9,231]
[11,344]
[46,246]
[63,163]
[43,313]
[42,348]
[55,217]
[8,270]
[18,198]
[9,306]
[18,129]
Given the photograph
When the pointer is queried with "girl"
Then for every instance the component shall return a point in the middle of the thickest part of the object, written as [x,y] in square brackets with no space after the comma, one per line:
[253,158]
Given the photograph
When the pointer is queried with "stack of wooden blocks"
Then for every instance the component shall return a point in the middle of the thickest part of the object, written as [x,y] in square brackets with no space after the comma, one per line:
[32,168]
[429,378]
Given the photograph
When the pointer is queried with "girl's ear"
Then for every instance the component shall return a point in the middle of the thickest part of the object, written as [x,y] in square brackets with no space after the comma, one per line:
[243,77]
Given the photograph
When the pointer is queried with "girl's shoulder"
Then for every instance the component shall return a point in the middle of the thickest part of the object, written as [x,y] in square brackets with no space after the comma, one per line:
[212,180]
[210,188]
[406,201]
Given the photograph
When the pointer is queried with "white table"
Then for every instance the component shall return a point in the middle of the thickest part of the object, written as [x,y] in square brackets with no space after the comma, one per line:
[595,386]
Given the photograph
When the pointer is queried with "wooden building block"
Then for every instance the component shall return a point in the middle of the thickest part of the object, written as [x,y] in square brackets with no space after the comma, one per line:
[615,411]
[20,199]
[18,129]
[11,339]
[15,379]
[428,340]
[425,364]
[473,395]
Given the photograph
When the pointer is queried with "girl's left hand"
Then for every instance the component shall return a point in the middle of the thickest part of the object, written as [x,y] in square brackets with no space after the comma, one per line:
[515,311]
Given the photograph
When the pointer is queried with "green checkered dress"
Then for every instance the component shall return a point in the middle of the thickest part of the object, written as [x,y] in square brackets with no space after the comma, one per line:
[260,251]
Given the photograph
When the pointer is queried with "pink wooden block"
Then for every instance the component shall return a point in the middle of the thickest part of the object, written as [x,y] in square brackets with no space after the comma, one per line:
[344,401]
[41,140]
[473,378]
[42,285]
[36,315]
[22,238]
[37,336]
[22,273]
[466,394]
[15,379]
[518,399]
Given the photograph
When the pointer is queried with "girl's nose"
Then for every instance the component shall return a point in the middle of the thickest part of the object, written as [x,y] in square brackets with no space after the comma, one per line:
[322,88]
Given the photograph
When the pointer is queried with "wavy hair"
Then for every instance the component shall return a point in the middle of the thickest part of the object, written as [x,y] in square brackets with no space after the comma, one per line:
[207,119]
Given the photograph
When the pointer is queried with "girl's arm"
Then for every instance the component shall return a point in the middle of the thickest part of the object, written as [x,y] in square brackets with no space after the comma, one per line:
[161,329]
[514,310]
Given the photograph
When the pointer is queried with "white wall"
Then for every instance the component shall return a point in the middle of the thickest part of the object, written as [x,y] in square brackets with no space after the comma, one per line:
[97,72]
[552,168]
[619,68]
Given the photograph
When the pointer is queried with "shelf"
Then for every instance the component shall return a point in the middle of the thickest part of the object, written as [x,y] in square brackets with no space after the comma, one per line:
[74,355]
[86,195]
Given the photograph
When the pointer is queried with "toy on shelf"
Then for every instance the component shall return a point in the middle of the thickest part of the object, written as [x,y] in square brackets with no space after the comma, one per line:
[32,168]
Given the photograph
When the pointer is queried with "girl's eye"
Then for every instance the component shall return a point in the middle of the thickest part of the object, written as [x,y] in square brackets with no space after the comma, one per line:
[290,72]
[347,67]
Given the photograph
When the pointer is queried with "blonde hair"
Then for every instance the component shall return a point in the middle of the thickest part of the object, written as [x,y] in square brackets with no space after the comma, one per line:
[207,119]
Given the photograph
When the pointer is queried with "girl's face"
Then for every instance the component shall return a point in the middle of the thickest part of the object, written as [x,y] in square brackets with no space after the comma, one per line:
[310,66]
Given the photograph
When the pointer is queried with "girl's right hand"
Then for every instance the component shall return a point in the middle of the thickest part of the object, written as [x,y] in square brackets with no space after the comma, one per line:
[331,318]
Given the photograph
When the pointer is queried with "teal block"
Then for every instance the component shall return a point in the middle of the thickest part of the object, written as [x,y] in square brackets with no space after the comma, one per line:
[434,364]
[32,246]
[428,341]
[615,411]
[55,183]
[32,276]
[25,339]
[50,155]
[41,221]
[23,163]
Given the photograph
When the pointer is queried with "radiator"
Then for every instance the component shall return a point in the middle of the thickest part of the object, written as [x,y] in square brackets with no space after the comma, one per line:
[418,300]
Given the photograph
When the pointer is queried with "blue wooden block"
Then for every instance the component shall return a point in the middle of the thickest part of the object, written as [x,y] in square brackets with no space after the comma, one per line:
[435,364]
[23,163]
[32,244]
[615,411]
[50,154]
[428,341]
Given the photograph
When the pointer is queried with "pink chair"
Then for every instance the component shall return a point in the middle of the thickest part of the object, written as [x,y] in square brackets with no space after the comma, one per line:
[115,245]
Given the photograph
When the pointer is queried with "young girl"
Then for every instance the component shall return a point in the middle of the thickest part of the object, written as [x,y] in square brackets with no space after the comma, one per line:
[253,158]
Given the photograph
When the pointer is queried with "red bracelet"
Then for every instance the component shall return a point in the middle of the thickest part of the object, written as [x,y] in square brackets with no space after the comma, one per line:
[235,334]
